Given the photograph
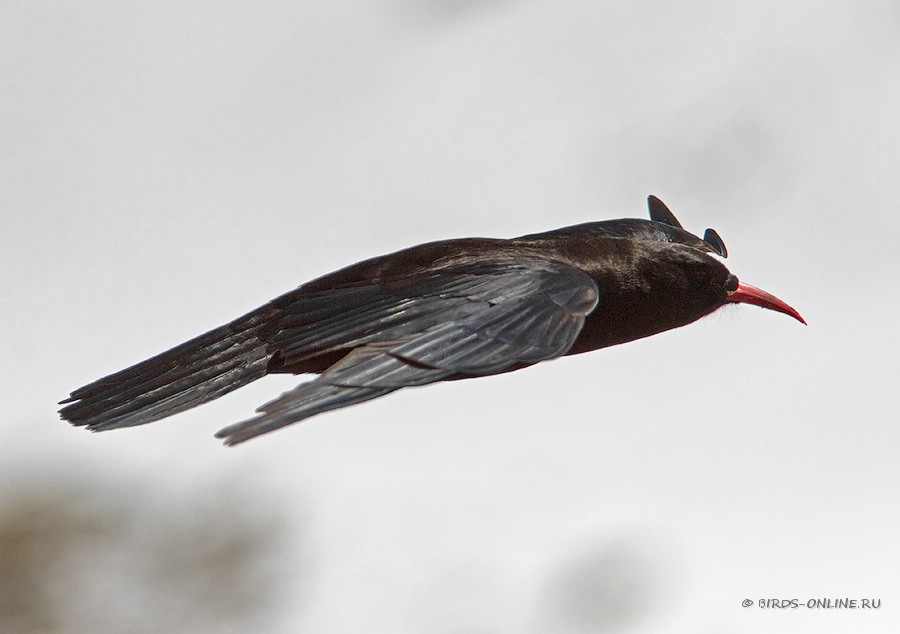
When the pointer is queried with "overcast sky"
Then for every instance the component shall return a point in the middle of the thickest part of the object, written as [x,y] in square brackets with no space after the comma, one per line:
[165,167]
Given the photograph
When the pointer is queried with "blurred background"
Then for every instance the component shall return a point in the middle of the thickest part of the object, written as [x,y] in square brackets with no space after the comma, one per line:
[167,166]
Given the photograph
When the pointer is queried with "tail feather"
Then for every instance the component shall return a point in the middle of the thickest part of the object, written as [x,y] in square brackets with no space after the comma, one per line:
[188,375]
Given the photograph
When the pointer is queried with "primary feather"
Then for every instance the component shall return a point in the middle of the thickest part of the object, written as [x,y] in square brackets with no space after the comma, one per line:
[465,320]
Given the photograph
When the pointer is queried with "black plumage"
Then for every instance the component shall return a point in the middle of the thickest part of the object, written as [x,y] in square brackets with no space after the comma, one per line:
[439,311]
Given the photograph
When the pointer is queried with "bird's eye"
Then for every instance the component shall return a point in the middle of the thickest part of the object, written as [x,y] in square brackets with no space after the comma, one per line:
[731,283]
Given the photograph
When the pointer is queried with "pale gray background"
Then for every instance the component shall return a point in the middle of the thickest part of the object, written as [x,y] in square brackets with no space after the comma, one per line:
[165,167]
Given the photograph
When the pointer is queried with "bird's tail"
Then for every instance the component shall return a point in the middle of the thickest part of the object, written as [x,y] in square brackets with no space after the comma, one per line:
[188,375]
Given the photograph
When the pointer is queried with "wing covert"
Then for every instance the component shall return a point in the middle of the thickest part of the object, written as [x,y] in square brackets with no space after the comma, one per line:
[469,321]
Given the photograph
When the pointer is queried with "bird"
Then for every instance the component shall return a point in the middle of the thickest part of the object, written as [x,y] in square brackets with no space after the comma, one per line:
[440,311]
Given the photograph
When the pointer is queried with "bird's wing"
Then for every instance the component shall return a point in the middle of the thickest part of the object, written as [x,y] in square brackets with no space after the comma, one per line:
[469,321]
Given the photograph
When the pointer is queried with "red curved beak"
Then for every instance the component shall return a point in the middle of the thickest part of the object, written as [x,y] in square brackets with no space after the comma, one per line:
[746,294]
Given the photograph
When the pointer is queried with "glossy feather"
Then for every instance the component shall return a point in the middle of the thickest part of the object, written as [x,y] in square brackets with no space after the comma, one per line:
[439,311]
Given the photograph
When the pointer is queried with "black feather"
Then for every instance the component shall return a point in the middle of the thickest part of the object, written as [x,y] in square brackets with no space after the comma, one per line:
[660,213]
[712,238]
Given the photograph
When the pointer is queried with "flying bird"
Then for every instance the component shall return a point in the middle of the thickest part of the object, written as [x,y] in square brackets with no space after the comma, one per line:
[440,311]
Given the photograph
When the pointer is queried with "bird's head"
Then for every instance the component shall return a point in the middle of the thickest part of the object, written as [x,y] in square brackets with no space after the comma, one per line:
[655,276]
[701,280]
[688,283]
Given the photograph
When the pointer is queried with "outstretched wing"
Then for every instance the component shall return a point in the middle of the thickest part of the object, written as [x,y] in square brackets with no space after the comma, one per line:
[469,321]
